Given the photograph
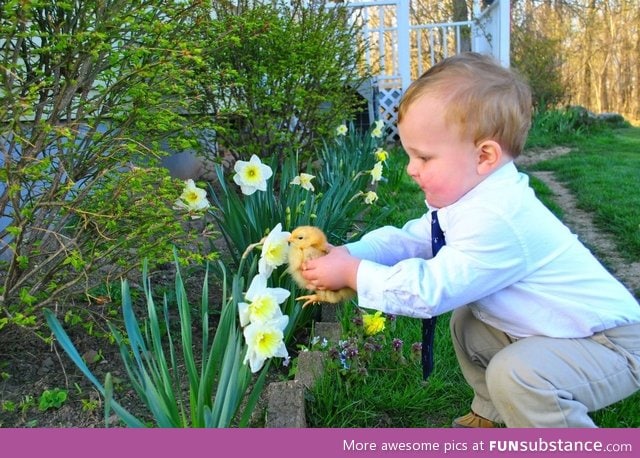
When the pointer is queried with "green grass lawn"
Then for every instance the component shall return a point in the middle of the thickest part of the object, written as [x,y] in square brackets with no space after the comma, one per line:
[393,394]
[604,173]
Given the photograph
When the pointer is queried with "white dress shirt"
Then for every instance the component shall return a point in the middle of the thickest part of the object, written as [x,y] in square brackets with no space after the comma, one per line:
[506,255]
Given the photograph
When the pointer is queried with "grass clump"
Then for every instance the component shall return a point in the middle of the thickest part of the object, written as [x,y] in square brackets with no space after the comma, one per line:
[376,381]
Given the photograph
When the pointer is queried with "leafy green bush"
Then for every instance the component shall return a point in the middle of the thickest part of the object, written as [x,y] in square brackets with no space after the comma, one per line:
[88,90]
[92,89]
[538,57]
[563,126]
[283,77]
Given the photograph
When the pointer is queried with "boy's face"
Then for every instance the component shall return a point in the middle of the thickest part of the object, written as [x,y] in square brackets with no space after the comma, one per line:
[441,161]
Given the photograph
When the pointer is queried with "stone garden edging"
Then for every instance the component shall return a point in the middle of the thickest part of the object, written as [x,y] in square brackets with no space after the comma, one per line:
[286,400]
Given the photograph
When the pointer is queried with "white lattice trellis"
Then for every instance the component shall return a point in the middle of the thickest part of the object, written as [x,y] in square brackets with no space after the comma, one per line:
[388,92]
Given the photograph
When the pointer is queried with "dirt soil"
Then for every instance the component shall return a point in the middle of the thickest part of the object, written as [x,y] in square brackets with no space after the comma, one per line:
[29,366]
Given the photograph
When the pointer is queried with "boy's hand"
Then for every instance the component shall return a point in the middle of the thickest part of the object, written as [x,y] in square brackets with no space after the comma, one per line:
[336,270]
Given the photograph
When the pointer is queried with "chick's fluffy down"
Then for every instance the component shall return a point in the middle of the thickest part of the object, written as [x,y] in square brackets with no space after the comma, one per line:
[306,243]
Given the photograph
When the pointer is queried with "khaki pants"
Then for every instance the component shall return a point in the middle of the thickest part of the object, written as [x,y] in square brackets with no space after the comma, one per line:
[543,381]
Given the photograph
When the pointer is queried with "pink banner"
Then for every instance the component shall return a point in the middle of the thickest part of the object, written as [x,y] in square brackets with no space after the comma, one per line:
[316,443]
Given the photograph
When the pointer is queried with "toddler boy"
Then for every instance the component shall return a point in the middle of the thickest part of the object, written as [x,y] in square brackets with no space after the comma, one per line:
[542,332]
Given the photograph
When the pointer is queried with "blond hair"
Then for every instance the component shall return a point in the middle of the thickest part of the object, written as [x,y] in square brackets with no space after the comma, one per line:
[483,99]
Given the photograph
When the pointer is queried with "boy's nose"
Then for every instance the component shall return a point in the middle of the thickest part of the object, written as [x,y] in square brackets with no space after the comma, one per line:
[411,169]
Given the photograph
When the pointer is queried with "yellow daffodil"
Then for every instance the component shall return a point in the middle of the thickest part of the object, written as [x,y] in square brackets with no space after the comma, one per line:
[373,324]
[275,249]
[304,180]
[381,154]
[341,130]
[265,340]
[252,176]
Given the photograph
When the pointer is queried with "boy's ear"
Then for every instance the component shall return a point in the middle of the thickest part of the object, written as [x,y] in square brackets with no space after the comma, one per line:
[490,156]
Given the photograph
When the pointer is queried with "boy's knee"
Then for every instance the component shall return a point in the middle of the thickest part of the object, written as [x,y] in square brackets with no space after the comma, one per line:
[501,378]
[511,372]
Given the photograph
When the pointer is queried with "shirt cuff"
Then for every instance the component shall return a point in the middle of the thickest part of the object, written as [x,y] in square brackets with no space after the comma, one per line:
[357,249]
[371,287]
[383,288]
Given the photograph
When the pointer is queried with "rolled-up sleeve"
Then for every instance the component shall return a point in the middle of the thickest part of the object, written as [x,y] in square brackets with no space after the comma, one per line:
[389,245]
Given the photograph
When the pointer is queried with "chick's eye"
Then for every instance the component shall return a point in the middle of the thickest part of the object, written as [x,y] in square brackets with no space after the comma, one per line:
[300,237]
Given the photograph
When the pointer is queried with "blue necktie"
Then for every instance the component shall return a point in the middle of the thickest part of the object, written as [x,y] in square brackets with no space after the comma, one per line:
[429,324]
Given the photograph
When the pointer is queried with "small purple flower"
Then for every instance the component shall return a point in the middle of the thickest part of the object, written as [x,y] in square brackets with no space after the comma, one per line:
[369,346]
[351,351]
[397,344]
[416,347]
[373,343]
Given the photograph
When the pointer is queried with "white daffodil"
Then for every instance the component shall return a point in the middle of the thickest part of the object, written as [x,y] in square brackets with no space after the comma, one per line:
[265,340]
[376,172]
[370,197]
[251,176]
[275,250]
[304,180]
[263,303]
[378,129]
[342,130]
[192,198]
[381,154]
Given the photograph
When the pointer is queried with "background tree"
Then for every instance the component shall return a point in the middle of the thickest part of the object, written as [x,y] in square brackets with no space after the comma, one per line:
[434,40]
[536,52]
[461,13]
[592,49]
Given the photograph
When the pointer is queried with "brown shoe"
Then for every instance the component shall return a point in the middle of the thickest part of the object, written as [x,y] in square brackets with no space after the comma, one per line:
[472,420]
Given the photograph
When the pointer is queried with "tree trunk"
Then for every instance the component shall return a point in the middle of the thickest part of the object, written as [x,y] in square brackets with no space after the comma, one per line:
[461,13]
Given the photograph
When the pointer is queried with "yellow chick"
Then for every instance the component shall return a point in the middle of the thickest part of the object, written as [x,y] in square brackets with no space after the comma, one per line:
[306,243]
